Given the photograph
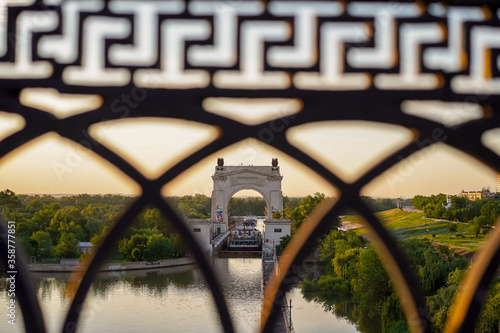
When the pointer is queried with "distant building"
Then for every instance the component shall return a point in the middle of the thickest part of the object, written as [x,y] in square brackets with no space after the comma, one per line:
[447,204]
[477,195]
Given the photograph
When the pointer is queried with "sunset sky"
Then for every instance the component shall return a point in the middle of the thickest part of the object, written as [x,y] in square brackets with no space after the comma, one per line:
[56,166]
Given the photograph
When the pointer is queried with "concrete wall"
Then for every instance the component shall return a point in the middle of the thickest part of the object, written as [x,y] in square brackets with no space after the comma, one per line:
[69,261]
[123,266]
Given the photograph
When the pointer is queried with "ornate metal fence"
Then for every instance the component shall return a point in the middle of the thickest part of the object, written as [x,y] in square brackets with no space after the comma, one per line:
[346,60]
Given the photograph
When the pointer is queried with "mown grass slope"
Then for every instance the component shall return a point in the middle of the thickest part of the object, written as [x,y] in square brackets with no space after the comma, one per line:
[403,225]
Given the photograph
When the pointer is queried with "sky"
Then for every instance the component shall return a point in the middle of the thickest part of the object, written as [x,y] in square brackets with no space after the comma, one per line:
[53,165]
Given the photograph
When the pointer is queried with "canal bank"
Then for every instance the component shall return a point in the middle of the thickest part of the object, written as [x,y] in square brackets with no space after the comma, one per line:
[108,267]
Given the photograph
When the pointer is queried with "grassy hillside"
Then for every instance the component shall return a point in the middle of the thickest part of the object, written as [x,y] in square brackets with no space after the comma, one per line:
[404,225]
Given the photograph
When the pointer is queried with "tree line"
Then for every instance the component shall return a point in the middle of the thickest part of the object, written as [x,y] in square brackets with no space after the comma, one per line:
[49,227]
[356,286]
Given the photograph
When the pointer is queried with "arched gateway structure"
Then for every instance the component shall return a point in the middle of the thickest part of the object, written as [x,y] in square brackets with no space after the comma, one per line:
[230,179]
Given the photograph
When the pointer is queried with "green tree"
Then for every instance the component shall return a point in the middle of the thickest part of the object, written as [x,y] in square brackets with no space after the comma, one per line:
[489,320]
[42,217]
[290,203]
[354,240]
[452,227]
[341,246]
[97,238]
[45,249]
[9,198]
[249,205]
[345,263]
[54,234]
[35,205]
[440,303]
[307,206]
[126,246]
[160,247]
[71,227]
[67,246]
[197,206]
[478,224]
[26,229]
[392,315]
[370,283]
[400,327]
[277,215]
[430,265]
[381,204]
[67,215]
[29,245]
[327,246]
[148,255]
[179,245]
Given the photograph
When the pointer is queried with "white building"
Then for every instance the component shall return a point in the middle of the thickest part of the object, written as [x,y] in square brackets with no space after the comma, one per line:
[202,232]
[274,229]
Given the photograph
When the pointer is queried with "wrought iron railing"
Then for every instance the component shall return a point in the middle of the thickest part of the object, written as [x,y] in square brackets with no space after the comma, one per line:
[344,60]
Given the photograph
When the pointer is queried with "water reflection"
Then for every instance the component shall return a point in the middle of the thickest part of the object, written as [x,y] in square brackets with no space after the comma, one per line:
[313,313]
[345,309]
[177,300]
[166,299]
[156,282]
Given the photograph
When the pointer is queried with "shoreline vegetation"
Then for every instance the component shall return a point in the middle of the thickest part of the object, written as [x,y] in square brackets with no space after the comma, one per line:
[438,244]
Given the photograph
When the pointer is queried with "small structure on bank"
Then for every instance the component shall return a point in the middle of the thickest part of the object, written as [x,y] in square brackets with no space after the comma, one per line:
[274,229]
[202,232]
[85,247]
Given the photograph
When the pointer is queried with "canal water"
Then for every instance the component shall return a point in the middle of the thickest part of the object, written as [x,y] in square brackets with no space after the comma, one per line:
[172,299]
[169,300]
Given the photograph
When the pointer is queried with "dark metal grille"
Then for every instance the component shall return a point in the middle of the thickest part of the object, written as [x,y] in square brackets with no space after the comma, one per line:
[322,84]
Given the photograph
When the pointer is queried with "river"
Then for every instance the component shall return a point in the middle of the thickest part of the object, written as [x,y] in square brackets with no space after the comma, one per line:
[172,299]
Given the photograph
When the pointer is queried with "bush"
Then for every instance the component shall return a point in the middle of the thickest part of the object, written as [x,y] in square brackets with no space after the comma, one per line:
[136,254]
[400,327]
[149,256]
[433,235]
[309,286]
[331,285]
[334,285]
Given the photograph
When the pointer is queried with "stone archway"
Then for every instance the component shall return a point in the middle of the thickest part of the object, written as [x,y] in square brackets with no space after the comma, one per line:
[230,179]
